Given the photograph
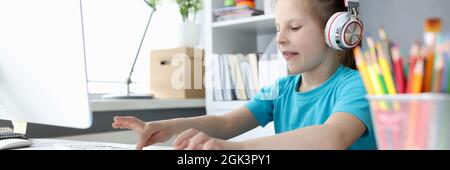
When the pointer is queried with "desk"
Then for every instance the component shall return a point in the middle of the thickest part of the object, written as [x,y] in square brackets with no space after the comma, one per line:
[103,112]
[104,105]
[105,109]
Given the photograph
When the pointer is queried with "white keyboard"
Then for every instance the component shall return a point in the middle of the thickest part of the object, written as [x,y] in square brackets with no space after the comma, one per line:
[89,146]
[58,144]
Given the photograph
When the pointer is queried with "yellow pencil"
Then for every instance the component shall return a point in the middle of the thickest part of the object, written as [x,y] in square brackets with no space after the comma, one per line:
[386,46]
[373,77]
[386,71]
[376,68]
[362,67]
[387,75]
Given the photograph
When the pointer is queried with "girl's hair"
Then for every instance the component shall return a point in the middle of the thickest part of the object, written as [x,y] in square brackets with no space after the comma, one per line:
[322,10]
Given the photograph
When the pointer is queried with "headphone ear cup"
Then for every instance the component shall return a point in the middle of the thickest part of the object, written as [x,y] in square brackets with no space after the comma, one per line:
[351,34]
[335,31]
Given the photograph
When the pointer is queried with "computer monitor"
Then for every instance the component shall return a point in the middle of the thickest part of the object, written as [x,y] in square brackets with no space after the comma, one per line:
[42,63]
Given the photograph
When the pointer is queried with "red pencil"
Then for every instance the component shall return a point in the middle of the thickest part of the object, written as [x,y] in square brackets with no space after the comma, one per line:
[399,75]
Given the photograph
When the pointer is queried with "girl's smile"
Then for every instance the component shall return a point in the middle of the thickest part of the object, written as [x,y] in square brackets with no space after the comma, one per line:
[290,55]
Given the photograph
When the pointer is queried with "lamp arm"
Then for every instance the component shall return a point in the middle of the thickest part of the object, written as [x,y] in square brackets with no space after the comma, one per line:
[137,54]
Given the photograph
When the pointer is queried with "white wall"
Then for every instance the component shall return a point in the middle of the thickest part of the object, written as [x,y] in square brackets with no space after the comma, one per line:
[403,19]
[113,30]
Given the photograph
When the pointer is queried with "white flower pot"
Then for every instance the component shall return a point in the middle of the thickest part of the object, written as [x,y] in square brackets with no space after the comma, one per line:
[187,34]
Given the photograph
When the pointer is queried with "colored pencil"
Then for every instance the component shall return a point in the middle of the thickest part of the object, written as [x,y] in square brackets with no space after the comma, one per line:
[399,75]
[414,56]
[438,71]
[375,66]
[362,67]
[417,79]
[386,46]
[373,76]
[386,70]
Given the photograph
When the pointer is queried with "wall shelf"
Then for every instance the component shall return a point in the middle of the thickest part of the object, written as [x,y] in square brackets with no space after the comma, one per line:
[237,36]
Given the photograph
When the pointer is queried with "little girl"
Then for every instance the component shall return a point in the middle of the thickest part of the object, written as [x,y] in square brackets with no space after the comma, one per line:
[322,107]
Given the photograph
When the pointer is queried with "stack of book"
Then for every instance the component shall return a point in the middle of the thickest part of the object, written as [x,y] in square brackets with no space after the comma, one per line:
[235,12]
[239,77]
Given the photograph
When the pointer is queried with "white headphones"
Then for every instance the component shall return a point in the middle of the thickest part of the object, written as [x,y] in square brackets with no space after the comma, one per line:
[344,29]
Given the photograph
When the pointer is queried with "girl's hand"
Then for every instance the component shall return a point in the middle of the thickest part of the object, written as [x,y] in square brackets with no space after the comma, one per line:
[193,139]
[149,133]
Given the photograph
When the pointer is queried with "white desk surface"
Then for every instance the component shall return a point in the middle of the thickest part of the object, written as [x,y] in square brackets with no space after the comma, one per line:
[54,144]
[99,105]
[123,139]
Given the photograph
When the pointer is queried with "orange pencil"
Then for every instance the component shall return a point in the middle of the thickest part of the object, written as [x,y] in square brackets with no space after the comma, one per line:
[429,67]
[414,55]
[416,87]
[417,79]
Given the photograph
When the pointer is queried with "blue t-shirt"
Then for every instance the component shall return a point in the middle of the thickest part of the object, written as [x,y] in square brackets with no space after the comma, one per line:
[290,109]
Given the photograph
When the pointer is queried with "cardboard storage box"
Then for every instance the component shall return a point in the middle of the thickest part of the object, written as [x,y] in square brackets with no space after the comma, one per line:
[177,73]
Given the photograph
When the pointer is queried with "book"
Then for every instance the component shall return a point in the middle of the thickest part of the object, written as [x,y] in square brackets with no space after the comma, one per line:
[236,75]
[228,89]
[240,77]
[217,78]
[253,74]
[228,13]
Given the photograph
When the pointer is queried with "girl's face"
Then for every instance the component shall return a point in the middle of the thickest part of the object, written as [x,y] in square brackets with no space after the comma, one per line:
[300,38]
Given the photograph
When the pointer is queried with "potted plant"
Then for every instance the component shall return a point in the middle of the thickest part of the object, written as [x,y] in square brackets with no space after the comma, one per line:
[188,30]
[153,3]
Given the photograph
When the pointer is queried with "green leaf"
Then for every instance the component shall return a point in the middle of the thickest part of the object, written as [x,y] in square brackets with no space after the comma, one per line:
[153,3]
[187,7]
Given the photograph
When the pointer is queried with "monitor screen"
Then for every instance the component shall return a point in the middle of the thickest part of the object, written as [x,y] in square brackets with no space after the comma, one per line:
[42,63]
